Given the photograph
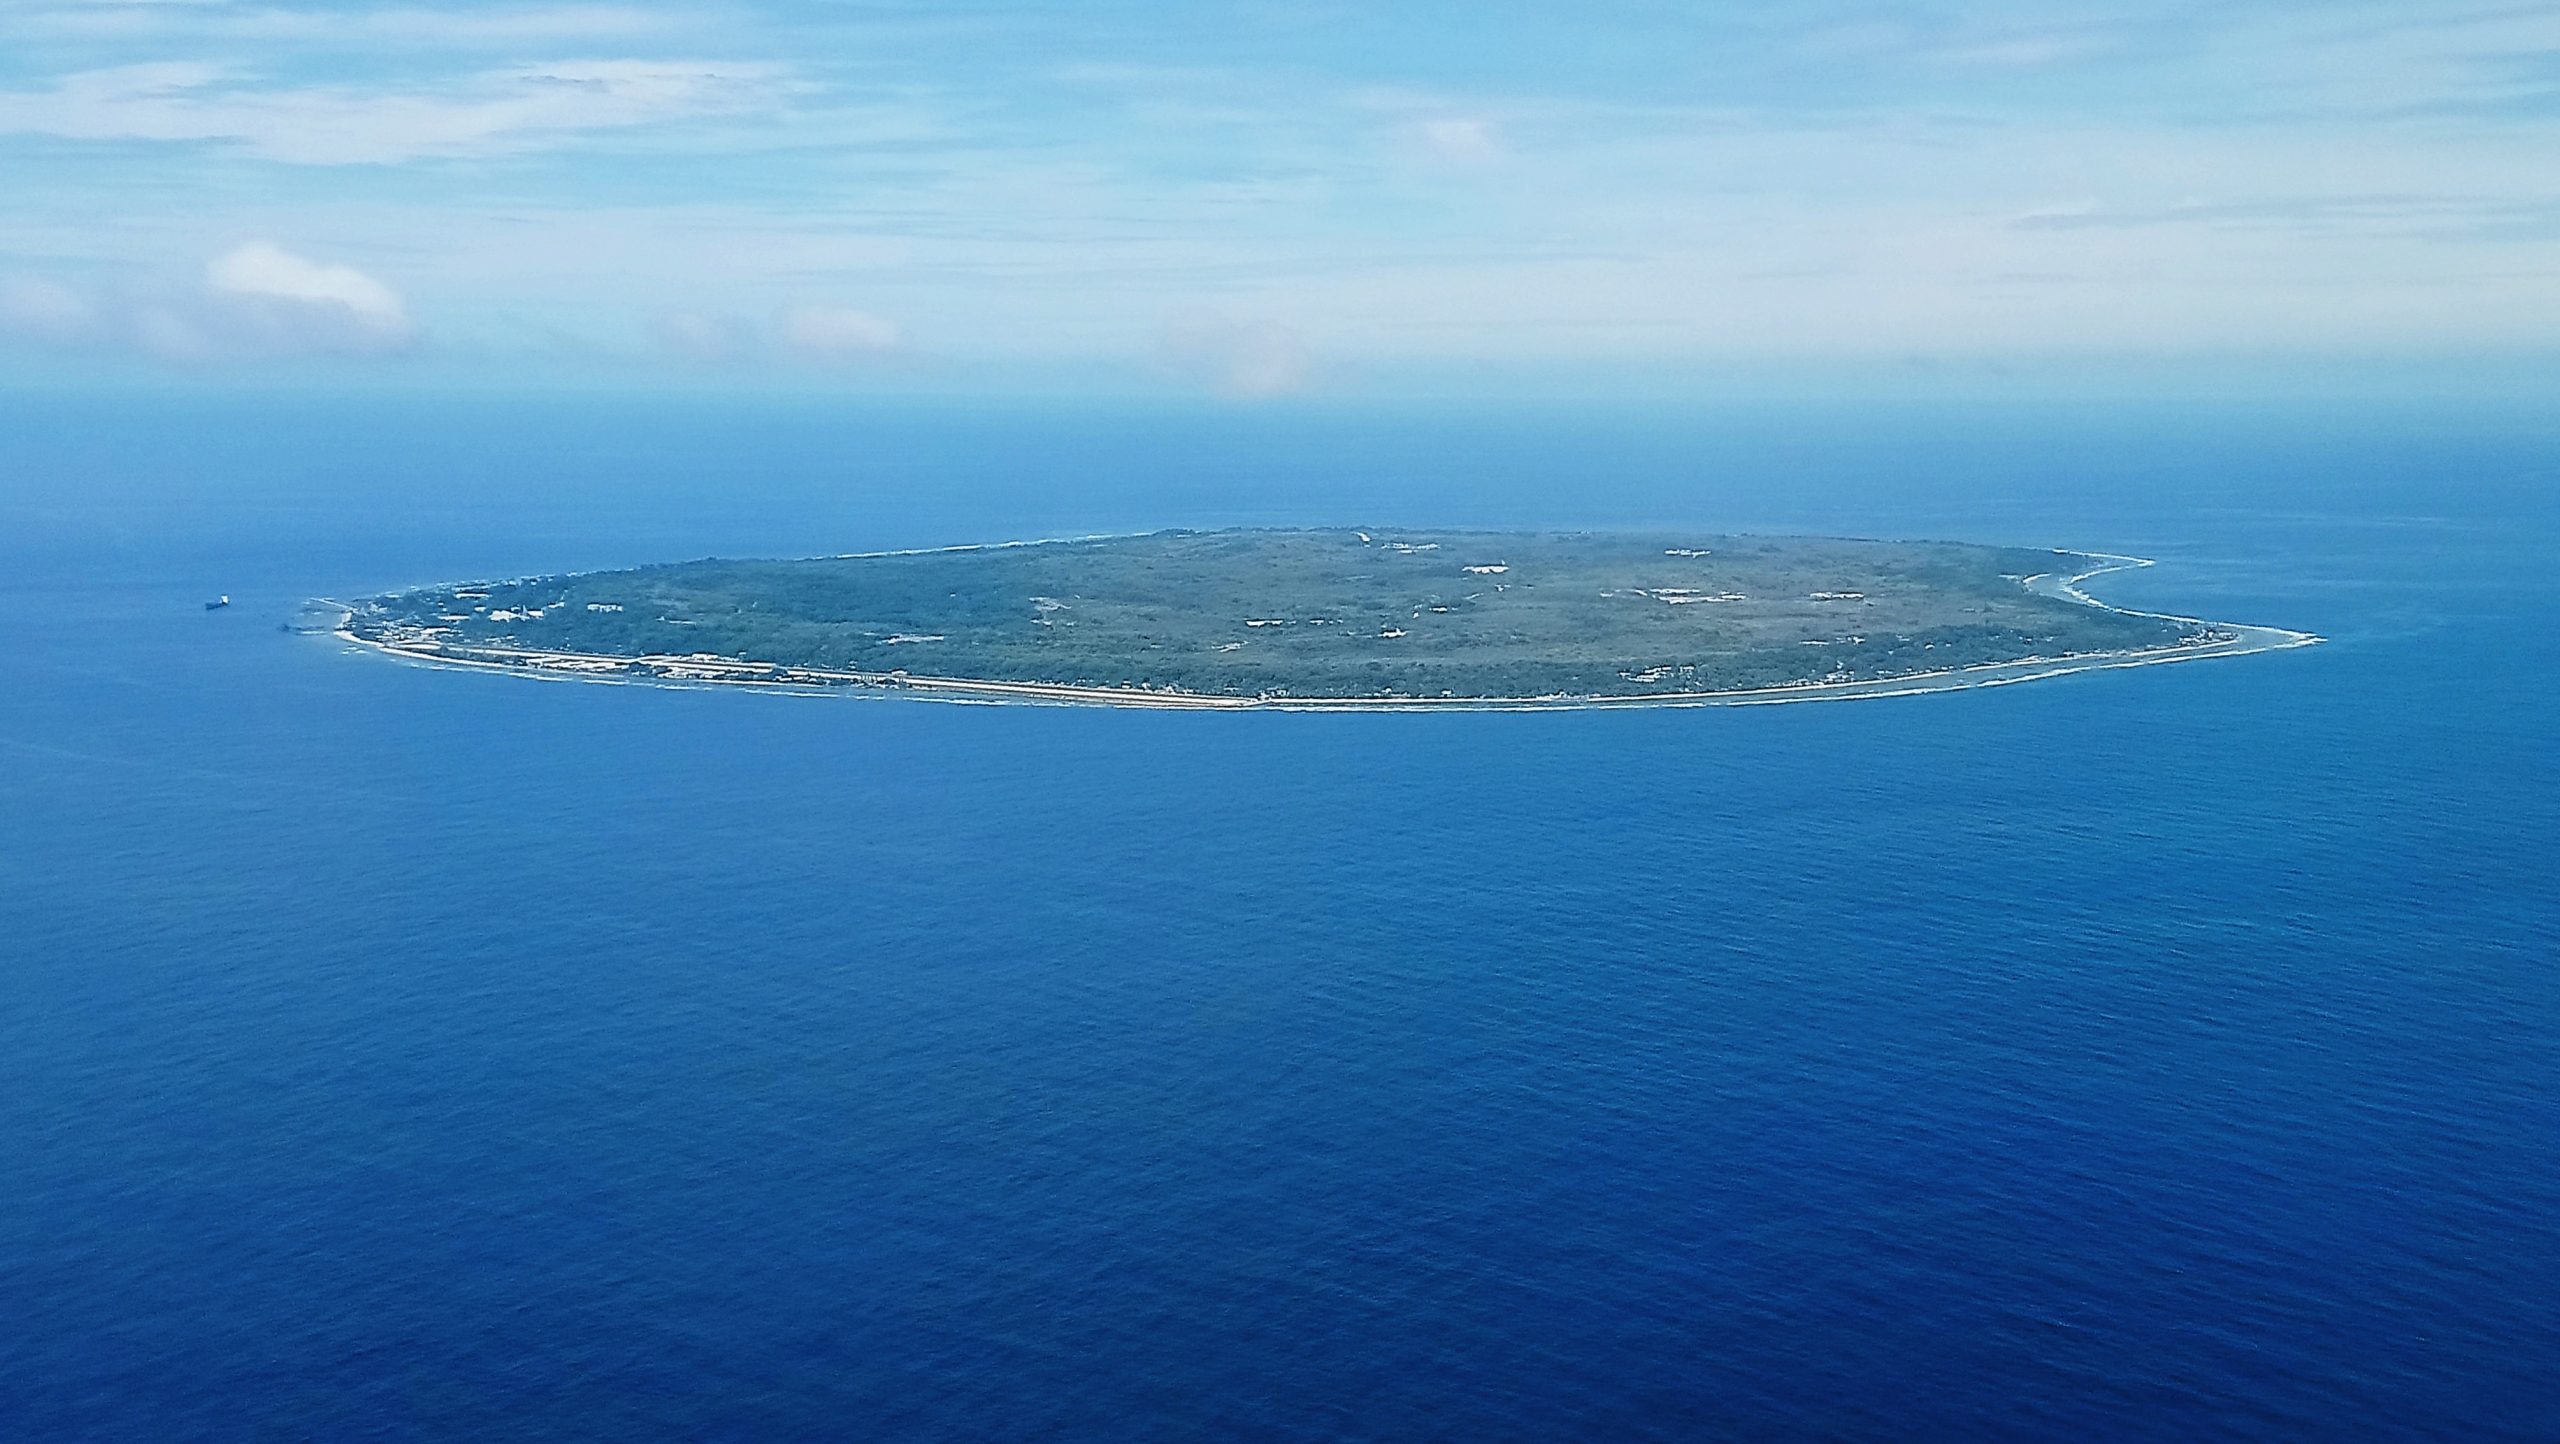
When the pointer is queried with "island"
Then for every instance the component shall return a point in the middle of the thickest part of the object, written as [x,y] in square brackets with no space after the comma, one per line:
[1323,618]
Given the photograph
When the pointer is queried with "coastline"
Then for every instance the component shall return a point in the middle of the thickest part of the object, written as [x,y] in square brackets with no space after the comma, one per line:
[2238,640]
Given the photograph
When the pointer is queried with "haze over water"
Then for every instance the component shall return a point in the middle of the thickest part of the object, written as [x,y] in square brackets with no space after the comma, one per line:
[397,1054]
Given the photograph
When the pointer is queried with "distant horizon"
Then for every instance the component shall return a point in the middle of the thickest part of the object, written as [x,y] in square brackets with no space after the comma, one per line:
[2522,386]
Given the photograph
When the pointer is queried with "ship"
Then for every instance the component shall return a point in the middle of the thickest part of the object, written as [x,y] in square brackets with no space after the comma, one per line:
[218,603]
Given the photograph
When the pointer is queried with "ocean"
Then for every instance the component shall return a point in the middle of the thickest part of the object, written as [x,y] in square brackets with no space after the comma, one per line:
[390,1053]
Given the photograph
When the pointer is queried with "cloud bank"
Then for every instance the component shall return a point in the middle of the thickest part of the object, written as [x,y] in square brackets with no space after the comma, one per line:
[837,333]
[254,303]
[807,334]
[490,112]
[1246,359]
[339,299]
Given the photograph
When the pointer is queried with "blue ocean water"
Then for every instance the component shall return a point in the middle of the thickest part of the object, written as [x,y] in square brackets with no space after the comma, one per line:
[392,1054]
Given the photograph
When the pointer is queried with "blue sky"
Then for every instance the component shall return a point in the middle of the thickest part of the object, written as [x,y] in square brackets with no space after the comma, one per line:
[1263,199]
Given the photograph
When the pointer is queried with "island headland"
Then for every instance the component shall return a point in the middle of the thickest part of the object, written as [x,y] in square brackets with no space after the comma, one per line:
[1323,619]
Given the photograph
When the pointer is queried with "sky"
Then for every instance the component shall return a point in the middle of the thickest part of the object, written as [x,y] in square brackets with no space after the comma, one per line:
[1260,200]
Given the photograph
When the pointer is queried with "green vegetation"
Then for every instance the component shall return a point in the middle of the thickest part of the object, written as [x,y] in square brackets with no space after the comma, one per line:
[1329,613]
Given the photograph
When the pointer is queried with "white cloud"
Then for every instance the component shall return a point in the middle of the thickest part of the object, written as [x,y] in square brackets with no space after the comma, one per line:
[1459,138]
[268,274]
[837,333]
[45,310]
[178,20]
[490,112]
[806,333]
[1240,358]
[165,335]
[458,27]
[697,336]
[2027,52]
[256,302]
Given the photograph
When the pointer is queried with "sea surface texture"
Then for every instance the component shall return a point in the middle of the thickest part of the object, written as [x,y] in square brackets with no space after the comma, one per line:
[399,1054]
